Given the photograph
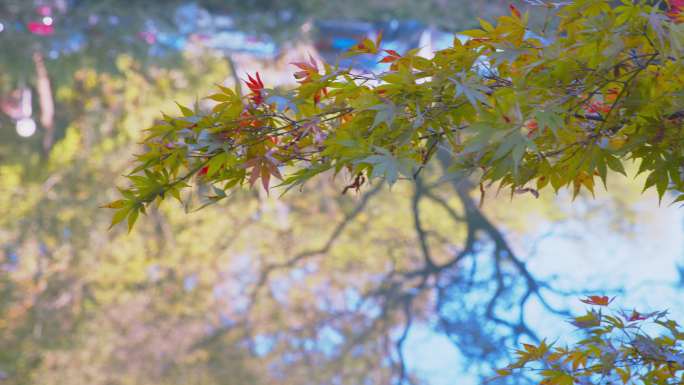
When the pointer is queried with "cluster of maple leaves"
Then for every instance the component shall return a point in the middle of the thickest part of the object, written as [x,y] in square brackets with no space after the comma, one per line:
[617,348]
[557,107]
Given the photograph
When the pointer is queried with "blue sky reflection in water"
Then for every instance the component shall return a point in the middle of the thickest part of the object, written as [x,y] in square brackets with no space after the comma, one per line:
[641,267]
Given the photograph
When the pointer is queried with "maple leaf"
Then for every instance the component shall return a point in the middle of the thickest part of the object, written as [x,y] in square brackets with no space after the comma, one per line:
[471,89]
[367,45]
[589,320]
[385,113]
[320,92]
[307,70]
[514,11]
[248,120]
[392,56]
[596,107]
[257,87]
[390,167]
[532,127]
[315,130]
[598,300]
[636,316]
[263,167]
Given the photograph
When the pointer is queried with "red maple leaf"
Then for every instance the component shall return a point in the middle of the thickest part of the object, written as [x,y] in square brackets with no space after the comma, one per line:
[318,93]
[307,70]
[532,127]
[596,107]
[257,87]
[391,57]
[262,167]
[598,300]
[514,11]
[636,316]
[248,120]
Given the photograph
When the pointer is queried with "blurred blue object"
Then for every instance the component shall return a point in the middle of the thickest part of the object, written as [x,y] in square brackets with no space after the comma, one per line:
[342,43]
[175,42]
[238,41]
[190,18]
[334,37]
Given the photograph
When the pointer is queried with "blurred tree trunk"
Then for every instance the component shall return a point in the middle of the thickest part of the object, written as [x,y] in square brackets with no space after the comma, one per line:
[45,100]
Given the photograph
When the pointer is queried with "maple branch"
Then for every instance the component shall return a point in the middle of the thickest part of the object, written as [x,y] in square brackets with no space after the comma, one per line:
[418,226]
[408,321]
